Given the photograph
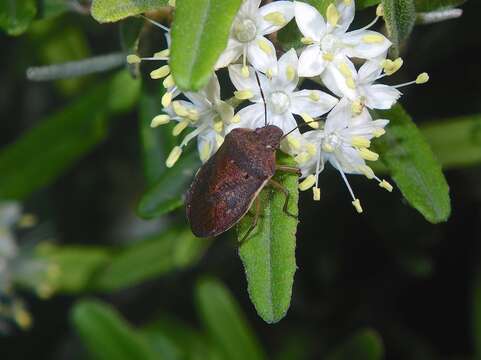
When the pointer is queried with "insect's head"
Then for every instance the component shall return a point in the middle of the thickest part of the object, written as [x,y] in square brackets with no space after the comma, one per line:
[270,136]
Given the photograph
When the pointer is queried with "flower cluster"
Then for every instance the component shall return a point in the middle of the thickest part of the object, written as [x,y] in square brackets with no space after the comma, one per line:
[348,64]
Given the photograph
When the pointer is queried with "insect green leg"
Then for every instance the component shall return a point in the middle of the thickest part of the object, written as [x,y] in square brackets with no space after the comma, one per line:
[257,203]
[288,169]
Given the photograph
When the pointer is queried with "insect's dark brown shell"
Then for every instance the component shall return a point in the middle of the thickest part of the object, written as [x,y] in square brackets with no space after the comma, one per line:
[227,184]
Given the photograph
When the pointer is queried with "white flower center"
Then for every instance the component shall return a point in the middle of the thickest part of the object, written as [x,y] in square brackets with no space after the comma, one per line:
[279,102]
[245,30]
[331,142]
[329,43]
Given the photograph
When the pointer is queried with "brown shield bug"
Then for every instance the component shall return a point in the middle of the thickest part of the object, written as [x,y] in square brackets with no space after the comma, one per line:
[227,185]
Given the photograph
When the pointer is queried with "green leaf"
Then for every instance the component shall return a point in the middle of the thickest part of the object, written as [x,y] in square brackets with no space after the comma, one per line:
[77,264]
[150,258]
[433,5]
[199,35]
[115,10]
[224,321]
[44,152]
[106,334]
[166,194]
[51,8]
[455,142]
[16,15]
[124,93]
[400,16]
[413,166]
[364,345]
[268,254]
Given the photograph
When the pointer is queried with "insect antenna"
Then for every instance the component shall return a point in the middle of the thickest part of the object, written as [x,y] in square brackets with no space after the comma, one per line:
[263,97]
[300,126]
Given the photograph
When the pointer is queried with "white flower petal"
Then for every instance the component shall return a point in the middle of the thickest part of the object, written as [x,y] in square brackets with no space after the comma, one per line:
[212,89]
[285,122]
[207,140]
[285,8]
[302,102]
[357,46]
[346,10]
[230,54]
[380,96]
[249,83]
[339,116]
[337,82]
[369,71]
[249,8]
[251,117]
[311,62]
[286,78]
[349,159]
[198,100]
[261,59]
[309,21]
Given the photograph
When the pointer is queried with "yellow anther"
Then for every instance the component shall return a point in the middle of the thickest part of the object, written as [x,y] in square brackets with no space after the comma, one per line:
[269,73]
[179,109]
[219,140]
[367,154]
[356,107]
[235,119]
[390,66]
[276,18]
[372,39]
[350,83]
[357,205]
[345,71]
[328,56]
[27,221]
[327,148]
[168,81]
[422,78]
[316,193]
[162,54]
[293,142]
[160,120]
[309,120]
[378,132]
[205,152]
[166,99]
[380,10]
[245,71]
[302,157]
[314,96]
[264,46]
[193,115]
[360,141]
[307,183]
[385,185]
[133,59]
[181,126]
[332,15]
[290,72]
[173,156]
[366,171]
[218,126]
[243,94]
[161,72]
[311,149]
[23,318]
[172,3]
[307,40]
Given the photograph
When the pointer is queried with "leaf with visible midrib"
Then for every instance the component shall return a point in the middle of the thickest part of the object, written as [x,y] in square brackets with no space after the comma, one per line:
[199,35]
[115,10]
[400,16]
[268,254]
[16,15]
[413,166]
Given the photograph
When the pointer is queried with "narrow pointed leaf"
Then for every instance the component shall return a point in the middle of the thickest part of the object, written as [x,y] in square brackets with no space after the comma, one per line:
[115,10]
[106,334]
[224,321]
[413,166]
[400,16]
[268,254]
[199,35]
[16,15]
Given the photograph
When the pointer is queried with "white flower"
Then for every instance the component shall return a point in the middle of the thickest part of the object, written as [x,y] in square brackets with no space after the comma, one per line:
[329,41]
[282,99]
[206,113]
[344,143]
[247,36]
